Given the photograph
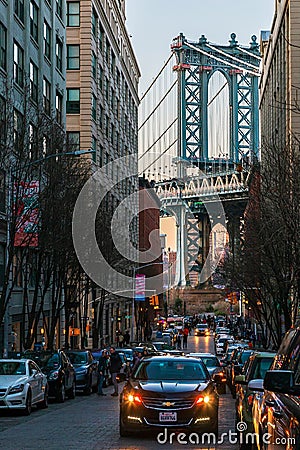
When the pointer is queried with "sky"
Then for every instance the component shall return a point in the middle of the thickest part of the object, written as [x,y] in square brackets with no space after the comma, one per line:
[152,24]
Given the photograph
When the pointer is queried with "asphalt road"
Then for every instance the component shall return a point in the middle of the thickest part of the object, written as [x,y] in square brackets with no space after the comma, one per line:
[91,422]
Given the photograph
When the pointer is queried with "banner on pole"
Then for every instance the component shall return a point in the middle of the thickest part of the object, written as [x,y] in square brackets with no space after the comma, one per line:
[140,281]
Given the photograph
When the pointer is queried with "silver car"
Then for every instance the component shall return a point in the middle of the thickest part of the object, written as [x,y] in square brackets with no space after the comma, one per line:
[22,385]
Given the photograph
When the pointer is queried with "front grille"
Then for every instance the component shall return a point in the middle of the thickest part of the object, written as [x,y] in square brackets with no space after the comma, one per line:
[2,392]
[2,403]
[155,422]
[168,404]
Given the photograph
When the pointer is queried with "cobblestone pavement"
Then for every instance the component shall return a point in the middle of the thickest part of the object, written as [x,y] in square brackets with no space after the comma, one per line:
[91,422]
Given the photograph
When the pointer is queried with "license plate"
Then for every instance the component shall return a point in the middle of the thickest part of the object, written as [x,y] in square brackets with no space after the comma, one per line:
[168,417]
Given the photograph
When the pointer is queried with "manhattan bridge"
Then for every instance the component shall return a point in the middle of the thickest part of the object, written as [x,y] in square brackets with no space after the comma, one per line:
[198,139]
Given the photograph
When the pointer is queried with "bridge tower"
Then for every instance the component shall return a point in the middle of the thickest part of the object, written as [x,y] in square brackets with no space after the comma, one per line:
[196,64]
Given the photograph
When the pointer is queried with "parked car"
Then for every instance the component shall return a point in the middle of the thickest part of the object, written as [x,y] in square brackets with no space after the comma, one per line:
[125,369]
[222,343]
[59,370]
[214,368]
[254,369]
[202,329]
[235,366]
[281,402]
[86,369]
[169,391]
[22,385]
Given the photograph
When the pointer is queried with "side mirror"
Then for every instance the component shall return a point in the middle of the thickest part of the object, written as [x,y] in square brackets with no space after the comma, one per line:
[256,385]
[240,379]
[281,381]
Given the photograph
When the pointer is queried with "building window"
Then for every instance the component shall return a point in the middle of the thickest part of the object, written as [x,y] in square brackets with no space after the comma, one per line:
[73,14]
[34,21]
[94,107]
[94,23]
[3,123]
[2,262]
[94,147]
[73,141]
[46,96]
[18,131]
[112,134]
[101,153]
[101,37]
[113,61]
[107,54]
[47,40]
[73,57]
[33,154]
[33,72]
[59,54]
[59,8]
[3,46]
[19,9]
[73,101]
[100,78]
[94,65]
[18,65]
[101,116]
[58,106]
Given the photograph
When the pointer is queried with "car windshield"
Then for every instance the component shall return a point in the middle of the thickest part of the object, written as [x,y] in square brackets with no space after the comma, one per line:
[245,356]
[201,325]
[12,368]
[170,370]
[78,357]
[49,361]
[210,361]
[261,367]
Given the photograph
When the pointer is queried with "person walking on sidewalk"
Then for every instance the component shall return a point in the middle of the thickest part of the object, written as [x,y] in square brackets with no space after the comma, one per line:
[115,367]
[185,336]
[102,368]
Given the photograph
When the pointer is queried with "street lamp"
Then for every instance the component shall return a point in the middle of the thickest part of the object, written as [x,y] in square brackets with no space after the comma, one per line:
[11,172]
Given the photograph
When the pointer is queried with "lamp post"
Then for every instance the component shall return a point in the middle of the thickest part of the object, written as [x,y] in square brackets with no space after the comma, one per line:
[10,173]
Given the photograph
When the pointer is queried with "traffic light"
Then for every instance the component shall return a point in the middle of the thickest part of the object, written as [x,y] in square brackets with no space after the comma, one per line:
[152,300]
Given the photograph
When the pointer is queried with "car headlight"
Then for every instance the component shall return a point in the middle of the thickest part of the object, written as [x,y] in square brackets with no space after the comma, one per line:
[202,399]
[82,371]
[17,388]
[54,375]
[134,398]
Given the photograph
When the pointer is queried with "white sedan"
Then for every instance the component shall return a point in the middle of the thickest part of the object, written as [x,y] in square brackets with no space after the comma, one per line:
[22,385]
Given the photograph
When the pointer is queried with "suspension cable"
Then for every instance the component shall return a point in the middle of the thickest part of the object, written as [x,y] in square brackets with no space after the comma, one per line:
[165,151]
[157,76]
[249,53]
[155,142]
[158,105]
[257,74]
[232,57]
[216,95]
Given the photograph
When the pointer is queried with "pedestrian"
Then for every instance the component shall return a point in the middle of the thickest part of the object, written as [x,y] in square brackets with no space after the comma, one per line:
[137,358]
[179,339]
[150,333]
[126,337]
[185,336]
[121,339]
[115,367]
[102,367]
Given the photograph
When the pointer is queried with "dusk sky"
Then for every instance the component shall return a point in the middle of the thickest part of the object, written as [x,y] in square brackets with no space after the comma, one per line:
[154,23]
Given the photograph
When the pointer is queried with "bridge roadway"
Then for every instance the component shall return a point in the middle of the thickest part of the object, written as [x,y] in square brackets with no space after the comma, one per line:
[92,423]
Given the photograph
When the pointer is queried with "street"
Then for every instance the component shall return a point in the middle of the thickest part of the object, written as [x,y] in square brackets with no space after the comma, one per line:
[92,422]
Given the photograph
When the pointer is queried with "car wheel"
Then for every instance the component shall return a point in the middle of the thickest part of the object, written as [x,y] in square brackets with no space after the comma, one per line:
[88,390]
[62,394]
[44,403]
[122,429]
[72,392]
[28,407]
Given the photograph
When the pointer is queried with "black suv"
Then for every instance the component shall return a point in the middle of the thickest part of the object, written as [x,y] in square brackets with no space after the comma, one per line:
[281,404]
[59,370]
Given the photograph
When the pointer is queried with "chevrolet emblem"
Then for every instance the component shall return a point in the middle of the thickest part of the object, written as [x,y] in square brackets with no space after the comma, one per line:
[168,404]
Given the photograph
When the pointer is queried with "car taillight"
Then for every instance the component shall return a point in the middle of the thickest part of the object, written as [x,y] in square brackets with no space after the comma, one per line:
[202,399]
[134,398]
